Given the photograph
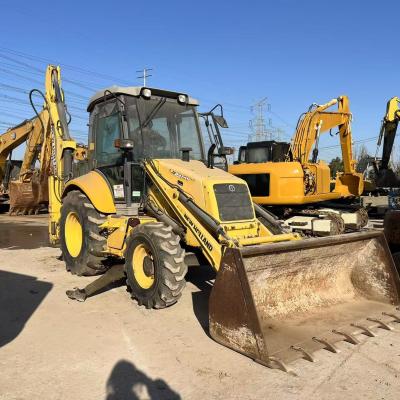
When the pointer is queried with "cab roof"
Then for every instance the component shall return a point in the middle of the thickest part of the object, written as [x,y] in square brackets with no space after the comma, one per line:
[134,91]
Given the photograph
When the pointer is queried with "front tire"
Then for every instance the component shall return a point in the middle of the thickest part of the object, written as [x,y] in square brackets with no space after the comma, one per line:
[80,239]
[155,265]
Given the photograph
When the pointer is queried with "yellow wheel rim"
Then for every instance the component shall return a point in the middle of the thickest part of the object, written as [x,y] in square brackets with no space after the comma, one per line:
[73,234]
[140,253]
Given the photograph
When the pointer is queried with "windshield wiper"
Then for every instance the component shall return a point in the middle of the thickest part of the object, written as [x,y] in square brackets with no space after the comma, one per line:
[154,111]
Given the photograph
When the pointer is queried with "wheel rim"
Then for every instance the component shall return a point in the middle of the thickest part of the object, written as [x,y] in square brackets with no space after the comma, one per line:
[73,234]
[141,260]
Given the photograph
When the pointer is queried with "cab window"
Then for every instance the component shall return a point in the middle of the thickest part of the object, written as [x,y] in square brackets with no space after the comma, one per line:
[107,131]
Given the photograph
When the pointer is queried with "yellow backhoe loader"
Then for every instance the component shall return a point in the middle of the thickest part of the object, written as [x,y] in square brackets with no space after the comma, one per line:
[28,131]
[289,180]
[154,203]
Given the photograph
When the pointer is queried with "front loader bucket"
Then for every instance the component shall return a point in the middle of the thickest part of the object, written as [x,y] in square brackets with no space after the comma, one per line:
[279,302]
[27,197]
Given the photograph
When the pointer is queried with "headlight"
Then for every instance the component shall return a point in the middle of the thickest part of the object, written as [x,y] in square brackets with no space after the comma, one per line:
[146,93]
[182,99]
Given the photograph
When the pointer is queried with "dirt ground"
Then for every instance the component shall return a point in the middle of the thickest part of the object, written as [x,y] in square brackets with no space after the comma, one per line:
[109,348]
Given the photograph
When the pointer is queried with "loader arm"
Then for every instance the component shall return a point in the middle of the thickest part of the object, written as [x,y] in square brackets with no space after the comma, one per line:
[210,243]
[318,121]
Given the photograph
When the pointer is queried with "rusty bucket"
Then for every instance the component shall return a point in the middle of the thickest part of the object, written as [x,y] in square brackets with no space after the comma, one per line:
[280,302]
[28,197]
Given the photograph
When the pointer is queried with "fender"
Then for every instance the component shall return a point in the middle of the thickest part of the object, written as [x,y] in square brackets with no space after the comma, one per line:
[96,188]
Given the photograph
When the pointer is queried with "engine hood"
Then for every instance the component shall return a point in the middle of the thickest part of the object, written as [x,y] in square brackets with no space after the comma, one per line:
[198,181]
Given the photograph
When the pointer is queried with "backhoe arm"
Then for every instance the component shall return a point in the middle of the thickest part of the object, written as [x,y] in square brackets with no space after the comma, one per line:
[388,131]
[34,143]
[12,138]
[318,121]
[60,145]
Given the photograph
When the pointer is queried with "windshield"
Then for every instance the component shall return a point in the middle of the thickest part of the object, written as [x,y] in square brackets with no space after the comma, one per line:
[258,155]
[167,126]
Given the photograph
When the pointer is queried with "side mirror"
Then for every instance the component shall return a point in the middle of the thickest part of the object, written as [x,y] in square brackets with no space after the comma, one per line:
[221,121]
[123,144]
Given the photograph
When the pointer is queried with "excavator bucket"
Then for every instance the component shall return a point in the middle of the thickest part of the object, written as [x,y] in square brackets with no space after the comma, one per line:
[28,197]
[280,302]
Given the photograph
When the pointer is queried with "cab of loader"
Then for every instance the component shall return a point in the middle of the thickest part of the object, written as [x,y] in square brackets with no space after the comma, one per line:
[151,122]
[128,125]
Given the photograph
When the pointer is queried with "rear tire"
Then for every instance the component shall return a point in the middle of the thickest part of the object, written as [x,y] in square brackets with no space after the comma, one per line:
[155,265]
[81,243]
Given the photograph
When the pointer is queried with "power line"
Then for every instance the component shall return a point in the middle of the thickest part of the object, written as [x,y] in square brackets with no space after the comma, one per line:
[144,75]
[67,66]
[355,142]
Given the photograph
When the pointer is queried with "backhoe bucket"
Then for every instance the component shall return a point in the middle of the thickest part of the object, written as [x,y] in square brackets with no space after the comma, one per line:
[27,197]
[279,302]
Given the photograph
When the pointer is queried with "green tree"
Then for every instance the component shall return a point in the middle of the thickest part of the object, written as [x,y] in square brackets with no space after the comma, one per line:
[336,165]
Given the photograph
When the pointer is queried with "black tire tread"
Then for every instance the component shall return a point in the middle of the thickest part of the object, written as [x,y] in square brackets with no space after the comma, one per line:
[172,264]
[91,263]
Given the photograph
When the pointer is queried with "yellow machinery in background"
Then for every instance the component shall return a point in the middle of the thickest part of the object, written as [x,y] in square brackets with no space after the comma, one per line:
[384,175]
[29,131]
[153,202]
[382,195]
[298,185]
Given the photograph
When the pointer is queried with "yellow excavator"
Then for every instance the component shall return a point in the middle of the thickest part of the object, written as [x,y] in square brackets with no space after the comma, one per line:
[293,183]
[154,203]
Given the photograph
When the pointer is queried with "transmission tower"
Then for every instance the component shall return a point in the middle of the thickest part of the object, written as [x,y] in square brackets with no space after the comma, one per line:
[262,129]
[144,75]
[257,124]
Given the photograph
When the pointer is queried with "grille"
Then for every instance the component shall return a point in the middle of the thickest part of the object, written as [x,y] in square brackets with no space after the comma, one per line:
[234,203]
[258,184]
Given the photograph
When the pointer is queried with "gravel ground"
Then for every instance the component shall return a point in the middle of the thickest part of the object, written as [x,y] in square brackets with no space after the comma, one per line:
[109,348]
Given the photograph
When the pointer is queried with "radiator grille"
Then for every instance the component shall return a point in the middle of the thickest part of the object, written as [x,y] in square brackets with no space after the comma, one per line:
[234,203]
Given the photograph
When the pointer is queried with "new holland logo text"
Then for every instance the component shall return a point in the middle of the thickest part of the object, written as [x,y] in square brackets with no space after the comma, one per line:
[179,175]
[198,233]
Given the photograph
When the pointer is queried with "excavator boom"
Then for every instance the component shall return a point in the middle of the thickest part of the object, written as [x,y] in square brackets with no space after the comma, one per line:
[385,176]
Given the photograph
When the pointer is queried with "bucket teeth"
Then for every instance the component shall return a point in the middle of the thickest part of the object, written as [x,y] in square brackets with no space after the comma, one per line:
[394,316]
[348,337]
[365,330]
[277,363]
[306,355]
[381,324]
[327,345]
